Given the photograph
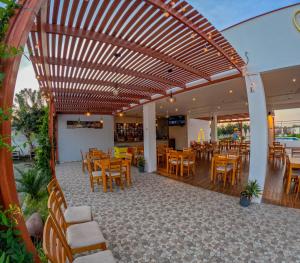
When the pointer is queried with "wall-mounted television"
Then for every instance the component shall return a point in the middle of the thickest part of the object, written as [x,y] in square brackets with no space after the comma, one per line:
[178,120]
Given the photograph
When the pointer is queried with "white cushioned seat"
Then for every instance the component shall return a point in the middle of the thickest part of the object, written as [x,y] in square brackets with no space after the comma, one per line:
[96,173]
[78,214]
[100,257]
[84,234]
[186,162]
[113,173]
[222,168]
[174,161]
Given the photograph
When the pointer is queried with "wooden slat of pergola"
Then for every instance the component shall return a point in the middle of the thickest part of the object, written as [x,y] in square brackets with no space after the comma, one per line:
[139,47]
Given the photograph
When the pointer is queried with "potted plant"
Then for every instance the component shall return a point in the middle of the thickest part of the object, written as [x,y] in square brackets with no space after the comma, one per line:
[252,189]
[141,164]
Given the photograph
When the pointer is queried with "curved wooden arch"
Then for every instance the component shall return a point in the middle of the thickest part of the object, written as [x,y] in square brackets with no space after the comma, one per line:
[17,36]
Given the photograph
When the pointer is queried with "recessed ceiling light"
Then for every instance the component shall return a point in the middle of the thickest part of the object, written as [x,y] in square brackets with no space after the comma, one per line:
[219,107]
[176,109]
[230,91]
[294,79]
[194,99]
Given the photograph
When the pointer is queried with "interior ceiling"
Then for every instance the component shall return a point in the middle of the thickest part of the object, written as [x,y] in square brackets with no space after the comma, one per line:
[230,97]
[110,55]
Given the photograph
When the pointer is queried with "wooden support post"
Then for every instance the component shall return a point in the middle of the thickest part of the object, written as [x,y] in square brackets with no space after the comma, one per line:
[17,35]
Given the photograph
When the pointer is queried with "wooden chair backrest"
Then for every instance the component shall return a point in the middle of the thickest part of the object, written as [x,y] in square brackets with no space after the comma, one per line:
[129,156]
[220,160]
[54,186]
[54,244]
[296,151]
[189,156]
[174,154]
[115,166]
[54,207]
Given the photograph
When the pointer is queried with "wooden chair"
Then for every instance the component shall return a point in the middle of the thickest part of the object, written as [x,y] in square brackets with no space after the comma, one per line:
[160,155]
[174,161]
[220,166]
[293,173]
[57,250]
[114,173]
[72,214]
[83,161]
[80,237]
[94,175]
[279,153]
[295,152]
[189,162]
[128,157]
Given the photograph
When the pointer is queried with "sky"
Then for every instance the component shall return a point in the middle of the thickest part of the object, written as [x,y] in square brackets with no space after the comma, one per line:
[221,13]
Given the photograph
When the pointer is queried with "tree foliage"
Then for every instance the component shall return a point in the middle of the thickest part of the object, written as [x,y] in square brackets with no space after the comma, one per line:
[27,113]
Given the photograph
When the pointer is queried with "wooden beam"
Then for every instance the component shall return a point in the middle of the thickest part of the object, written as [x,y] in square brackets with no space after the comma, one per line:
[16,36]
[128,88]
[119,42]
[180,17]
[96,66]
[108,94]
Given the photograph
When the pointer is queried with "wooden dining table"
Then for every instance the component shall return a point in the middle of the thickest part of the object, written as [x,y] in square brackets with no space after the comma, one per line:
[294,164]
[231,159]
[103,164]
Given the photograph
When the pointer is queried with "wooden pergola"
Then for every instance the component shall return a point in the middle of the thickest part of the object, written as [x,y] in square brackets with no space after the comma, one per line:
[109,56]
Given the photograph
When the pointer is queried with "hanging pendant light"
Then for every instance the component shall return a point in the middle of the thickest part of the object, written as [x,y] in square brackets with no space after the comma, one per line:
[171,99]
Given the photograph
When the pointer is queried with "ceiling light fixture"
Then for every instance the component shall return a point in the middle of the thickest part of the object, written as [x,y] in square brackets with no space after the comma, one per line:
[88,113]
[121,114]
[231,91]
[115,91]
[194,99]
[171,99]
[294,80]
[176,109]
[166,14]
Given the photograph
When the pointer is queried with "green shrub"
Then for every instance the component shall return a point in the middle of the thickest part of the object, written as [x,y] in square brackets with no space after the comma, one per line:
[12,249]
[32,182]
[40,206]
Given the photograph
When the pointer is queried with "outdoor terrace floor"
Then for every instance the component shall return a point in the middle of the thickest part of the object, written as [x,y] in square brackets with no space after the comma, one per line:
[273,192]
[159,219]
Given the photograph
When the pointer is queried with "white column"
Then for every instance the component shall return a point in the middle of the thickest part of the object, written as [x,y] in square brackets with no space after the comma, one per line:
[149,136]
[258,129]
[214,128]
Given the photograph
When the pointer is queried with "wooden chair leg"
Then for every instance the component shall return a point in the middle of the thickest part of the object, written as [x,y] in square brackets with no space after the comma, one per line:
[110,184]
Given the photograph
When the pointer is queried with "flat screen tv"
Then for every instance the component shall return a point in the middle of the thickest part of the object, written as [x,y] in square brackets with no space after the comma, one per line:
[178,120]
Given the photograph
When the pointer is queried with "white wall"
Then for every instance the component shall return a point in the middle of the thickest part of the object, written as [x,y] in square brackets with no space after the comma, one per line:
[180,135]
[271,40]
[193,129]
[71,141]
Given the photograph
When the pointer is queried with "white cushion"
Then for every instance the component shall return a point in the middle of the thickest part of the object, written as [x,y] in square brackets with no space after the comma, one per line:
[96,173]
[222,168]
[186,162]
[100,257]
[113,173]
[78,214]
[84,234]
[174,161]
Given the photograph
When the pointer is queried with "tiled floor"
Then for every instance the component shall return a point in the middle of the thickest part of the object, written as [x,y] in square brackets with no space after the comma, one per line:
[162,220]
[273,192]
